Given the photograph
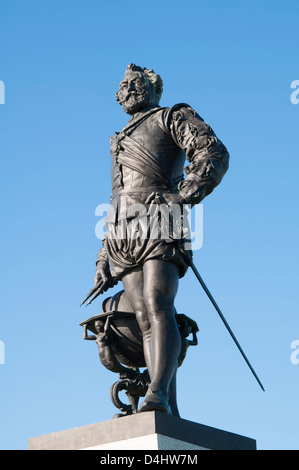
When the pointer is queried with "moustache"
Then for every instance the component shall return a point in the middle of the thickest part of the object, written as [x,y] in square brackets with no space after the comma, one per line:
[135,94]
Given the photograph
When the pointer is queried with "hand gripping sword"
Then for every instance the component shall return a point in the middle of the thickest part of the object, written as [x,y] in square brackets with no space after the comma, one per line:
[159,200]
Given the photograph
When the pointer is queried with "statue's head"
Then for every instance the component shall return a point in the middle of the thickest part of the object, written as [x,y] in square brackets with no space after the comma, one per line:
[139,89]
[99,326]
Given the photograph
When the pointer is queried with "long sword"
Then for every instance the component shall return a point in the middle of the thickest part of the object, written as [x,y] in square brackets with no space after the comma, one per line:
[159,198]
[192,266]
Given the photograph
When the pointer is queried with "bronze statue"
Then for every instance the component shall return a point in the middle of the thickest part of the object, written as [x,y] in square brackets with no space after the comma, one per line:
[148,158]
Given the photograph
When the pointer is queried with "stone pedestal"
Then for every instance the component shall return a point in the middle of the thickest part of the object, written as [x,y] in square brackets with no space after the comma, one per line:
[144,431]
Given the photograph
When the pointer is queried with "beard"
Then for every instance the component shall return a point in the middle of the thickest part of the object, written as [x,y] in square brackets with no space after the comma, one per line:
[136,102]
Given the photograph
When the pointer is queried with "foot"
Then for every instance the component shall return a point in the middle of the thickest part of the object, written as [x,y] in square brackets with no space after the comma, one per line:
[155,401]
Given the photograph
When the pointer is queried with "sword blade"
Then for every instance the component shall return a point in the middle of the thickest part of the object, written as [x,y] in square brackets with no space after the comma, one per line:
[225,322]
[92,292]
[97,293]
[88,295]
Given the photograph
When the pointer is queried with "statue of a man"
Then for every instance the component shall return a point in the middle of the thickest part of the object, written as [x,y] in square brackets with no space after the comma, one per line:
[148,158]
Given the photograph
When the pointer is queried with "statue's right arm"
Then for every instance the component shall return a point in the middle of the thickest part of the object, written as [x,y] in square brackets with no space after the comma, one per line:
[103,273]
[86,335]
[102,262]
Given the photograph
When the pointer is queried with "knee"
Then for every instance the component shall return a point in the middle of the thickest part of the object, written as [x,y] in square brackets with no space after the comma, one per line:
[139,309]
[159,305]
[142,320]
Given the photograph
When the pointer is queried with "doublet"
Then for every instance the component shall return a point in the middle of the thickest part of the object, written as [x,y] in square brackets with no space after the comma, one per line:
[150,152]
[148,156]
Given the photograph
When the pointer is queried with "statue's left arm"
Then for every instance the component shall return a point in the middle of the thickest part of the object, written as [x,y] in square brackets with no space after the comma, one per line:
[207,155]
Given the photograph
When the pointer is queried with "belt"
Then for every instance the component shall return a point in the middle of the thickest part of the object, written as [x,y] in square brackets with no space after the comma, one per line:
[152,189]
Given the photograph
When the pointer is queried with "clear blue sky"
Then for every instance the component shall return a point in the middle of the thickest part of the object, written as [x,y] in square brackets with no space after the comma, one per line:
[61,62]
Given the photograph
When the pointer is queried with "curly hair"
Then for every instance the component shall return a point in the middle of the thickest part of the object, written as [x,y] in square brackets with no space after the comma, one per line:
[153,77]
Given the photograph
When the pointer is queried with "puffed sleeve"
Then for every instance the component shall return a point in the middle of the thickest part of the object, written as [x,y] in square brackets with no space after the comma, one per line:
[207,155]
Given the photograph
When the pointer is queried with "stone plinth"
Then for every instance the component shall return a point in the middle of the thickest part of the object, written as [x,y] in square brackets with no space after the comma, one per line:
[143,431]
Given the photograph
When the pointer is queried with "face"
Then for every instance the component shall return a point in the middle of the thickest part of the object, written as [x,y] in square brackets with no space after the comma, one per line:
[98,325]
[135,92]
